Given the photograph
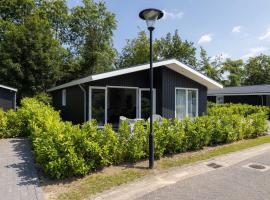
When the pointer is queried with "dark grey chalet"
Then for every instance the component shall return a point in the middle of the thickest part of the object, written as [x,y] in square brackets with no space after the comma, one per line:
[253,95]
[7,97]
[179,91]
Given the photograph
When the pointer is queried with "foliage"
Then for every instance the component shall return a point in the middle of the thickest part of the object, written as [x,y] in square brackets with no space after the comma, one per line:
[257,70]
[44,98]
[91,28]
[210,68]
[235,70]
[31,58]
[172,46]
[136,51]
[65,150]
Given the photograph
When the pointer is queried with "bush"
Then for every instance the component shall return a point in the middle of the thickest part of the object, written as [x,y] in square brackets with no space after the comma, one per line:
[65,150]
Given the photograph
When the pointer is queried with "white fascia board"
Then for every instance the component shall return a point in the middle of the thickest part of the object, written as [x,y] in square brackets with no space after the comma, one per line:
[173,64]
[238,94]
[9,88]
[194,75]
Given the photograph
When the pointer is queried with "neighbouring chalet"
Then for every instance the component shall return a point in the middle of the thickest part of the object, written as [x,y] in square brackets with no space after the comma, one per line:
[7,97]
[253,95]
[179,91]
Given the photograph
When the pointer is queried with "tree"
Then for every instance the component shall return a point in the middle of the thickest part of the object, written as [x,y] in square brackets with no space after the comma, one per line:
[172,46]
[31,58]
[210,69]
[136,51]
[235,70]
[91,29]
[257,70]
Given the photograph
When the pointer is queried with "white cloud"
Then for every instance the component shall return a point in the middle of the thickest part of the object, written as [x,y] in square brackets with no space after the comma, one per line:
[205,38]
[255,52]
[173,15]
[265,36]
[236,29]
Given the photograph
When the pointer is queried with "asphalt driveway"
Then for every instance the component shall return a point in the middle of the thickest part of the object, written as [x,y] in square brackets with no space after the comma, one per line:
[235,182]
[18,177]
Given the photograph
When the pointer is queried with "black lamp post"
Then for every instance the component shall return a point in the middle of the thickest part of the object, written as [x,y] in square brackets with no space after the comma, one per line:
[151,16]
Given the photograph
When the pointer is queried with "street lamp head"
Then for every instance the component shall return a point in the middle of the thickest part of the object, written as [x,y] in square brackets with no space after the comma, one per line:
[151,15]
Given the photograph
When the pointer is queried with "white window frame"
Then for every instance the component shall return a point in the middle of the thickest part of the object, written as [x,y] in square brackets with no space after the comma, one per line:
[220,96]
[186,90]
[64,97]
[140,100]
[90,101]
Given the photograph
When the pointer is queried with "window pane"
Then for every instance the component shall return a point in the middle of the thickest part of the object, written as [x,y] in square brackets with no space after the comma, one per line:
[145,104]
[121,102]
[192,103]
[180,103]
[220,99]
[98,106]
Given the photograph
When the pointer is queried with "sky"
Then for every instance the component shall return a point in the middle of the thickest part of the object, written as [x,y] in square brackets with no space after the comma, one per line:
[228,28]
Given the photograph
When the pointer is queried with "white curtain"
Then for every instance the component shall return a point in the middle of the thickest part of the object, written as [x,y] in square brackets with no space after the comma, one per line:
[186,103]
[180,103]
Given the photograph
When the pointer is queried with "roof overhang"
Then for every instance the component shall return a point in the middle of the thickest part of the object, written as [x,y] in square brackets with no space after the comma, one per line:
[8,88]
[172,64]
[238,94]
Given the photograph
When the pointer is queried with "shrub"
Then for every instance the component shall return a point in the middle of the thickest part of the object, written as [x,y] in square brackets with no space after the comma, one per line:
[132,145]
[63,149]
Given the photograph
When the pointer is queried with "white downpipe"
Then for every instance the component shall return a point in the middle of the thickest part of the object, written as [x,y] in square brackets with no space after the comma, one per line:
[84,102]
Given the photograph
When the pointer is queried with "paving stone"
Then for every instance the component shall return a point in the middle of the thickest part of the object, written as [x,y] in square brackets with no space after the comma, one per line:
[18,176]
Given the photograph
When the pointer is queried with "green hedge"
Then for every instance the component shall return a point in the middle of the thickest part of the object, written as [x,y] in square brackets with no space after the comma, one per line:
[65,150]
[240,109]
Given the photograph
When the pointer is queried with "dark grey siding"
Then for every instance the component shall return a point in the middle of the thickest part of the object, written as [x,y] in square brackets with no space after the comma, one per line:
[74,109]
[212,99]
[245,99]
[137,79]
[268,100]
[171,80]
[165,81]
[7,99]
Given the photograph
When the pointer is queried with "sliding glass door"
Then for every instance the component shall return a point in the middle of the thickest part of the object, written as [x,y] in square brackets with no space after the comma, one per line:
[98,104]
[186,103]
[107,104]
[121,102]
[144,103]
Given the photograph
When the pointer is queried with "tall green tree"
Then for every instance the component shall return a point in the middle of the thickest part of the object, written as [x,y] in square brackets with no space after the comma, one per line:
[235,71]
[31,58]
[136,51]
[257,70]
[172,46]
[91,28]
[210,68]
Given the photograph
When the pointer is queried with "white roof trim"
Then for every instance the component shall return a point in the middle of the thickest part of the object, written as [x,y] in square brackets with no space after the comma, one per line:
[8,88]
[172,64]
[238,94]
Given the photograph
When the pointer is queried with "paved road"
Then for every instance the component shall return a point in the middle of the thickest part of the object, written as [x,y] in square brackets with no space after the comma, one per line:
[226,183]
[18,177]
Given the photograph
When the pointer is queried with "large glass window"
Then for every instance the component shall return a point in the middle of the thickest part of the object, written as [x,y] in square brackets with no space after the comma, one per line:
[145,103]
[98,105]
[220,99]
[186,103]
[180,104]
[192,103]
[121,102]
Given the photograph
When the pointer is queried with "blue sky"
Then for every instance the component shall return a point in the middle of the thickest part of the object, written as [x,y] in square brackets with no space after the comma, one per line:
[233,28]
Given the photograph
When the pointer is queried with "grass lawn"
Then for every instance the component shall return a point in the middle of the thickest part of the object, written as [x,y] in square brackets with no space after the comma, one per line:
[116,175]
